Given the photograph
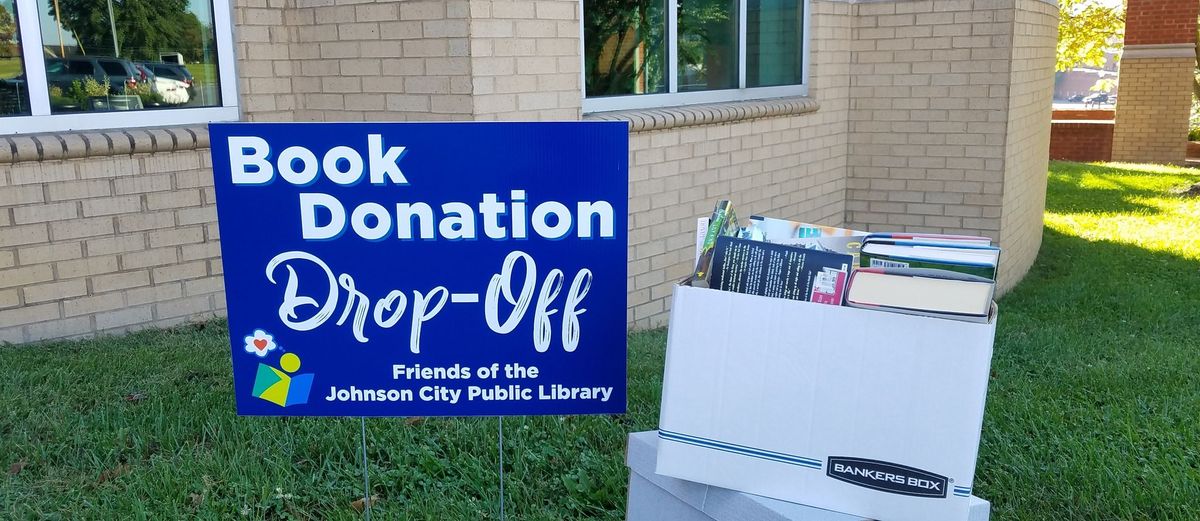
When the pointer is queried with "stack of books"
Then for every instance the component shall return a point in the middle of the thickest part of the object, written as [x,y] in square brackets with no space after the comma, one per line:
[935,275]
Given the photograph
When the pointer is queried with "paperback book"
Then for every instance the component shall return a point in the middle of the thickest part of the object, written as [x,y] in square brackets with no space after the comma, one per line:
[723,223]
[805,235]
[778,270]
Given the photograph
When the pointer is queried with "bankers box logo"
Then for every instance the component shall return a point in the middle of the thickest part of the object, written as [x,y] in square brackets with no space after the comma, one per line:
[887,477]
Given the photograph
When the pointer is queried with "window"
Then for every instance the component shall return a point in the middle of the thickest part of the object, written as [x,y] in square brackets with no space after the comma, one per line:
[13,96]
[646,53]
[114,64]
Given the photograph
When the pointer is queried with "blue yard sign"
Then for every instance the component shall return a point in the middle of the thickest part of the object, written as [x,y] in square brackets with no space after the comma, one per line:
[424,269]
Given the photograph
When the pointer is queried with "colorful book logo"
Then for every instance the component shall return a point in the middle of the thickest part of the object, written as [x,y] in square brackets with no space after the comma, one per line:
[280,387]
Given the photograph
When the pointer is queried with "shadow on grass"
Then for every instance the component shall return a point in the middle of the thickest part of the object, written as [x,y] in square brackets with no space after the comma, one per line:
[1095,393]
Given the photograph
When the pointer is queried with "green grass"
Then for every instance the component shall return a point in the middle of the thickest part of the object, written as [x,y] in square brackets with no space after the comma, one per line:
[202,73]
[1093,411]
[10,68]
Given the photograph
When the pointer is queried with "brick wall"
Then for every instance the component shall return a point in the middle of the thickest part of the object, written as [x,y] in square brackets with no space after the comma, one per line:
[119,240]
[1027,137]
[930,117]
[264,60]
[525,59]
[1081,140]
[380,60]
[930,88]
[1152,22]
[1152,112]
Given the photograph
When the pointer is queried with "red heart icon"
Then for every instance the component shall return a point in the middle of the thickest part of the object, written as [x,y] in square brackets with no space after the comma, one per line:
[260,343]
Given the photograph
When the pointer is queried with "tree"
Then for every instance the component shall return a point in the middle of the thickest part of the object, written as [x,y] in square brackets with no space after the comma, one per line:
[8,30]
[144,27]
[1087,30]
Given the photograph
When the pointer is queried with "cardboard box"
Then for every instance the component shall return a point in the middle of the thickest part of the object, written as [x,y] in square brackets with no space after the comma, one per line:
[859,411]
[653,497]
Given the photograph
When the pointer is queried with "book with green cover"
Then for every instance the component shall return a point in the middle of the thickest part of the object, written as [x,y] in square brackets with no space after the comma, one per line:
[972,259]
[723,223]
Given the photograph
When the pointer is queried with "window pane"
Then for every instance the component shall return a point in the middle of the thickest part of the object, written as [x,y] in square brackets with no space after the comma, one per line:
[708,37]
[773,36]
[103,55]
[625,47]
[14,98]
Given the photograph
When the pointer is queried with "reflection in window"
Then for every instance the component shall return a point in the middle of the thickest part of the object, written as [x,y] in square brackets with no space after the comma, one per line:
[104,55]
[625,46]
[14,96]
[773,39]
[708,38]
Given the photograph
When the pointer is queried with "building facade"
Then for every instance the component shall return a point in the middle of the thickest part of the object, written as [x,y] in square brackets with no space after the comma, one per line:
[914,115]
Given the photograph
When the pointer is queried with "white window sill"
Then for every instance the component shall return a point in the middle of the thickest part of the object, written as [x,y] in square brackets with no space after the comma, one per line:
[641,120]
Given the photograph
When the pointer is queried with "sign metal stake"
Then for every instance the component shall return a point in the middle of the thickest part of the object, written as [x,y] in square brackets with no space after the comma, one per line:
[500,449]
[366,478]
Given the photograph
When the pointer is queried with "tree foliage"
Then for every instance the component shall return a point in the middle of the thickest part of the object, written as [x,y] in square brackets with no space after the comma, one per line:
[8,28]
[144,27]
[1087,29]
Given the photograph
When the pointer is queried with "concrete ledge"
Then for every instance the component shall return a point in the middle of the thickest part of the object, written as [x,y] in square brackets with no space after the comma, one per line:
[1163,50]
[642,120]
[74,145]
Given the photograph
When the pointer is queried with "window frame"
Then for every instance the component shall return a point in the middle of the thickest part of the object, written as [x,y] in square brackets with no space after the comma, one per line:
[42,120]
[673,97]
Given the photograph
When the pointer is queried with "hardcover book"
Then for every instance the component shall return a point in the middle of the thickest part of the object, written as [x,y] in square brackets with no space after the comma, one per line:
[962,257]
[926,292]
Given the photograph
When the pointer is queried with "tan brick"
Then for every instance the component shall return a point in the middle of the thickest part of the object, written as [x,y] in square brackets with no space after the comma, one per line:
[24,276]
[154,257]
[29,314]
[66,328]
[18,235]
[157,293]
[21,195]
[145,221]
[36,213]
[9,298]
[54,291]
[176,236]
[190,270]
[174,199]
[117,244]
[85,267]
[138,184]
[185,307]
[124,317]
[116,281]
[112,205]
[44,253]
[93,304]
[77,228]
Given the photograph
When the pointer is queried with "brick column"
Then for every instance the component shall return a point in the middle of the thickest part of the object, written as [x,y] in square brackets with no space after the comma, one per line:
[1155,92]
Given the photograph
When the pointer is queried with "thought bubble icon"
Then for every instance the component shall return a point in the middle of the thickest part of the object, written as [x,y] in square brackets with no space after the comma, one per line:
[260,343]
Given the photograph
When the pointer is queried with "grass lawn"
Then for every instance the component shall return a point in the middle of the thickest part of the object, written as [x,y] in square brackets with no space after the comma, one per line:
[10,68]
[1093,412]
